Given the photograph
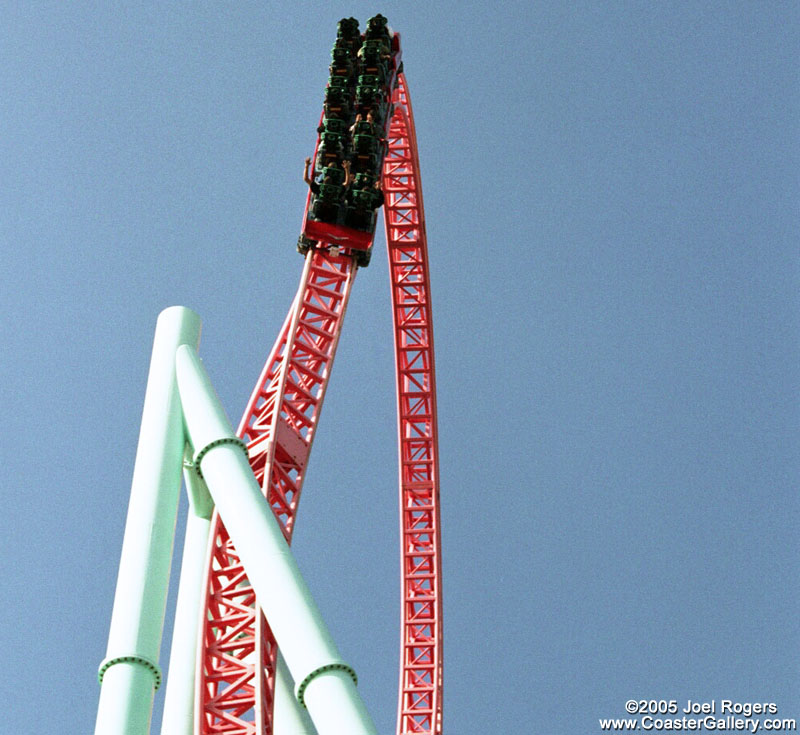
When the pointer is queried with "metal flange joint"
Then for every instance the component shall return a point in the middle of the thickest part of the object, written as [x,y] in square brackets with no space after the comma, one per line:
[333,666]
[134,658]
[198,456]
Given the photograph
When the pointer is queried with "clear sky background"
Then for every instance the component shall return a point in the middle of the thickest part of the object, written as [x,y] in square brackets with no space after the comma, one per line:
[611,193]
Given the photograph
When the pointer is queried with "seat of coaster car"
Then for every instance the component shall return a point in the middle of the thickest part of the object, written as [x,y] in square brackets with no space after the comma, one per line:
[339,109]
[364,199]
[365,163]
[335,93]
[332,125]
[378,70]
[365,143]
[364,127]
[326,204]
[341,64]
[332,140]
[383,44]
[369,96]
[326,157]
[336,81]
[359,219]
[368,80]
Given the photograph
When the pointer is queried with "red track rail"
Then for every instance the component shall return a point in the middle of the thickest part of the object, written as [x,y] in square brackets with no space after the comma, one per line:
[420,698]
[237,659]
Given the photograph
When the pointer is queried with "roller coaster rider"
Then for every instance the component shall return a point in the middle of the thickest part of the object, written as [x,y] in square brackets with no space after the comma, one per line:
[363,198]
[329,192]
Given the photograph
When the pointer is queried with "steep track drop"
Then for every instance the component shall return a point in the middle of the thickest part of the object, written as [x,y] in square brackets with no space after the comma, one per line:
[236,671]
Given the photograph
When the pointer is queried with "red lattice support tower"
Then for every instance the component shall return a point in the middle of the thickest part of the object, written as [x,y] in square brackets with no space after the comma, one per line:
[236,675]
[237,678]
[420,695]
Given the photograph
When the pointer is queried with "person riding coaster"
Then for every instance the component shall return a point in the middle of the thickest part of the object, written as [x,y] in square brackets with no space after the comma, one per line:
[373,52]
[348,33]
[341,62]
[374,45]
[337,103]
[365,125]
[377,67]
[327,194]
[363,199]
[371,98]
[366,149]
[329,153]
[378,30]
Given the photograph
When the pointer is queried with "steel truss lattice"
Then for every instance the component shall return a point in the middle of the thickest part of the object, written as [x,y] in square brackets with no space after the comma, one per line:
[236,672]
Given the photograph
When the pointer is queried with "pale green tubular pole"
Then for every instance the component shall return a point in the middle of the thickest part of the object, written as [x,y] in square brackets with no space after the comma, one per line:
[289,717]
[179,698]
[326,685]
[129,675]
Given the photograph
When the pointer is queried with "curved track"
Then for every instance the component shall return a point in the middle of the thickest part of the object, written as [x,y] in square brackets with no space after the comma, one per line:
[236,671]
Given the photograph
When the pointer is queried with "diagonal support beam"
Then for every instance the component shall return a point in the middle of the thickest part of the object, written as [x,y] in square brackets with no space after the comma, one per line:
[326,684]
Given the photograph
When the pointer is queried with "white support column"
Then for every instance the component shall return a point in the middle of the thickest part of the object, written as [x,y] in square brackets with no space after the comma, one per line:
[179,699]
[289,717]
[326,685]
[129,675]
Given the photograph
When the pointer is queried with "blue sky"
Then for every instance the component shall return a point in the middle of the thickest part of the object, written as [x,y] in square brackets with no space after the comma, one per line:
[611,196]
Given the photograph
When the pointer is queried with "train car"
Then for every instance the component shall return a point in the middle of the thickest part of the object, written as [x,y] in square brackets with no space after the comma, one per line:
[337,216]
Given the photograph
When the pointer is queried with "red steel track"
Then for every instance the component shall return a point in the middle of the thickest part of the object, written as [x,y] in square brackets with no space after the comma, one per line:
[236,674]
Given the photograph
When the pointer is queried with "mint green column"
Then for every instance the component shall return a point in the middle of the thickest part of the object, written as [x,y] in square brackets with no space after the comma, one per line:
[129,675]
[289,718]
[325,684]
[179,698]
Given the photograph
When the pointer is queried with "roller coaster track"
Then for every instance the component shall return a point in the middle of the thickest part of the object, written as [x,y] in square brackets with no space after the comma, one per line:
[236,671]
